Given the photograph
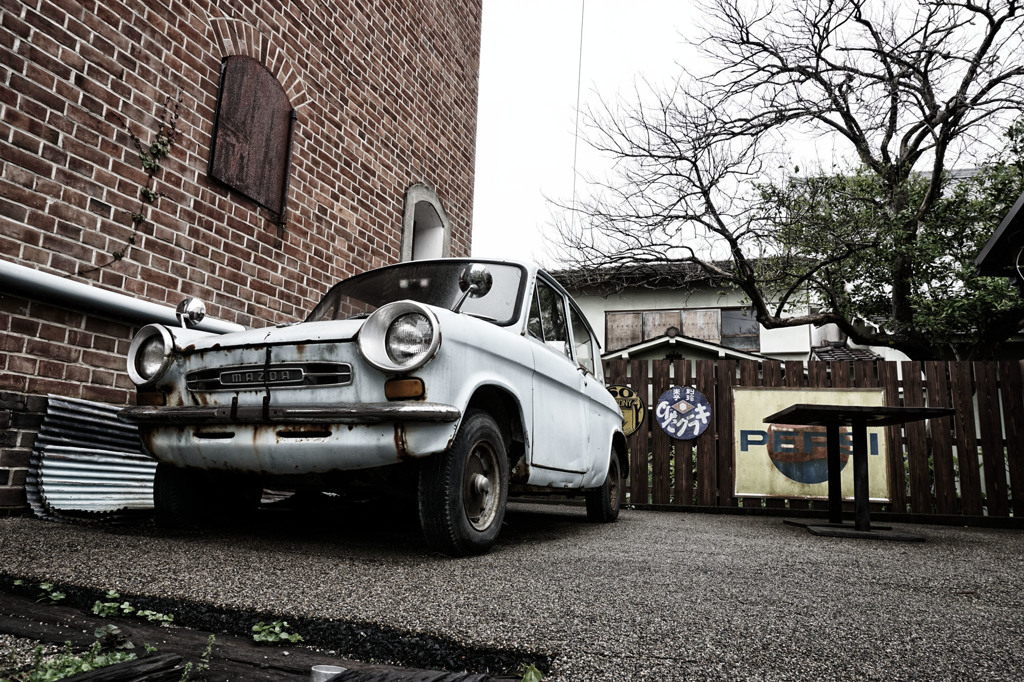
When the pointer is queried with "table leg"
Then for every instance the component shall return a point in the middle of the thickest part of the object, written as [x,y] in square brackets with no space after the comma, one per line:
[862,510]
[835,483]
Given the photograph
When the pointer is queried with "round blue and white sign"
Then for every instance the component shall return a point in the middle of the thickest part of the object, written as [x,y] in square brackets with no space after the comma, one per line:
[683,412]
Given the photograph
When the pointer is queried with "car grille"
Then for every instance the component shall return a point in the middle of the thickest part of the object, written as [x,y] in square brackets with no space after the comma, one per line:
[255,377]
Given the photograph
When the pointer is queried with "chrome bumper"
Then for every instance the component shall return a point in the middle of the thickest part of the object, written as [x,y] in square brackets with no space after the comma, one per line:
[353,413]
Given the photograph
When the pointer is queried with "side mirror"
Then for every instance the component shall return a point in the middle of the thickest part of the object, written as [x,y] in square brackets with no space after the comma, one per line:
[190,312]
[476,281]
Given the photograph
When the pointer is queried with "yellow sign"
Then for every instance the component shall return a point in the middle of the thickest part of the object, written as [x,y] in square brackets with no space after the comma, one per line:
[633,410]
[780,460]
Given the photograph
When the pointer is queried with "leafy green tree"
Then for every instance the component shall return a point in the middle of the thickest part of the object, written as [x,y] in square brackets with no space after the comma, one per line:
[955,312]
[881,245]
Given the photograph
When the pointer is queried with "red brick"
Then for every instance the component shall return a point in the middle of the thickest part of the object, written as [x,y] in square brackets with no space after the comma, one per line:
[13,497]
[12,382]
[15,459]
[105,394]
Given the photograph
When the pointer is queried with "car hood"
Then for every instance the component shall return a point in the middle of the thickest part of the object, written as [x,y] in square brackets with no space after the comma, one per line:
[304,332]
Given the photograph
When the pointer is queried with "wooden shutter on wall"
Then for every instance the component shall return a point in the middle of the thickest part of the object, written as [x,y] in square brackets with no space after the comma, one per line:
[622,329]
[657,322]
[251,147]
[705,325]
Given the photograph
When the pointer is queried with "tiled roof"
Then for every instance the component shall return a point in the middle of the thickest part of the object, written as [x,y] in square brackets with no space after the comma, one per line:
[838,350]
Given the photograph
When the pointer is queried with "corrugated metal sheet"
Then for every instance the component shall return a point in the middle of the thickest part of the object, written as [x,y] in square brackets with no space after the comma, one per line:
[74,479]
[86,460]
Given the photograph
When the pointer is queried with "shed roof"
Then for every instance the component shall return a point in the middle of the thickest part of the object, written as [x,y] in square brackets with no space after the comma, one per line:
[834,351]
[1004,252]
[681,342]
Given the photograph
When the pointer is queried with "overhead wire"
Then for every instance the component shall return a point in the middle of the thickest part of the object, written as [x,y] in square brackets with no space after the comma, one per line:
[576,133]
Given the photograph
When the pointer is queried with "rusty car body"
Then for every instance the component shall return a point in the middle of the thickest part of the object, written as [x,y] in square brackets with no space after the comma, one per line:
[455,382]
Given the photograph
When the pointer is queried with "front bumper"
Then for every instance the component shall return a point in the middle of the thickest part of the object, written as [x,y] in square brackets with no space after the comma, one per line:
[354,413]
[298,439]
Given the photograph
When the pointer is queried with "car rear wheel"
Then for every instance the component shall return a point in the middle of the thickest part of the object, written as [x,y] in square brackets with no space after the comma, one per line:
[463,492]
[603,502]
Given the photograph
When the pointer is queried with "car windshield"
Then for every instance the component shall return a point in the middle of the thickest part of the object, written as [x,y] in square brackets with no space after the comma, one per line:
[432,282]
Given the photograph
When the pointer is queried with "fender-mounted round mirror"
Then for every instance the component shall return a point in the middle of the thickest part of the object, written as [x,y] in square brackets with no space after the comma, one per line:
[190,312]
[475,280]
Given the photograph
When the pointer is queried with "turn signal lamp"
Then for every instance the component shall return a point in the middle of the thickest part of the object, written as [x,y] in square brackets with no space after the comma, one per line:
[404,389]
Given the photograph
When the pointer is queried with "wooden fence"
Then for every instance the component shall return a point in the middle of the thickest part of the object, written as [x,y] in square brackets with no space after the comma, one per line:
[971,464]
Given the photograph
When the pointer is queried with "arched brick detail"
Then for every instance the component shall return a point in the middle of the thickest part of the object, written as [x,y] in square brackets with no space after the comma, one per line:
[237,37]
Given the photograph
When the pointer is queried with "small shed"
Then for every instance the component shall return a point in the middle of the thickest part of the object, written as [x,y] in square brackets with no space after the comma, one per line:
[1003,255]
[674,345]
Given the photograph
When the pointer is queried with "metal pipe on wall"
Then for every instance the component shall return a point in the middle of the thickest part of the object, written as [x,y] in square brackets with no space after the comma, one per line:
[60,291]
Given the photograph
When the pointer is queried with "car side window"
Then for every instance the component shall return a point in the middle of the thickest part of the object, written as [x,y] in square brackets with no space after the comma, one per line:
[547,315]
[582,341]
[534,326]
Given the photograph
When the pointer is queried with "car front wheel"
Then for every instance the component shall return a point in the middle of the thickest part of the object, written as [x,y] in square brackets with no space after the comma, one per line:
[179,496]
[463,491]
[184,497]
[603,502]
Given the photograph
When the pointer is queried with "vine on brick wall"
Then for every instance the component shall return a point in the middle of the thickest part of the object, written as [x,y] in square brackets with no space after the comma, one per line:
[151,157]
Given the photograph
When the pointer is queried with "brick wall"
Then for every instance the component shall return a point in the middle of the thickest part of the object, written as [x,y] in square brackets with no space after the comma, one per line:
[385,97]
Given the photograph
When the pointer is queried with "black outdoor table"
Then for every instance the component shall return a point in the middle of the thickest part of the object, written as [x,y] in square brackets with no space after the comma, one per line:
[859,418]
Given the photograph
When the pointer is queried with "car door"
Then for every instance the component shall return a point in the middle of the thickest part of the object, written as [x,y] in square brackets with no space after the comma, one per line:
[588,364]
[560,414]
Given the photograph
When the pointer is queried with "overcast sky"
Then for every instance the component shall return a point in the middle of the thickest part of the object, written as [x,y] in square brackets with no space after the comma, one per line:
[527,111]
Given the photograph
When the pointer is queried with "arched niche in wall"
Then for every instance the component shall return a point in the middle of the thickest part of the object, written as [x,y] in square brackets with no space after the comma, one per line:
[251,148]
[426,232]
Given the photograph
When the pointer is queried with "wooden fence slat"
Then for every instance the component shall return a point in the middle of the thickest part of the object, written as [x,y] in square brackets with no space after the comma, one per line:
[1013,419]
[840,374]
[661,443]
[749,373]
[772,373]
[682,490]
[795,375]
[639,442]
[993,461]
[864,377]
[796,378]
[615,375]
[917,442]
[962,388]
[889,380]
[941,438]
[817,377]
[864,374]
[817,374]
[708,483]
[840,371]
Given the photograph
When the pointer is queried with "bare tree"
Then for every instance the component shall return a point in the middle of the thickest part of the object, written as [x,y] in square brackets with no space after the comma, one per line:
[904,88]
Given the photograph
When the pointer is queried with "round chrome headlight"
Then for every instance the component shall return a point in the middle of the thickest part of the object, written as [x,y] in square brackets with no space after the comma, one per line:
[408,337]
[399,337]
[150,354]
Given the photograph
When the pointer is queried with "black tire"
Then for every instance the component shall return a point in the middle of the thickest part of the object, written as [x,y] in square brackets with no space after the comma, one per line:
[603,502]
[184,497]
[180,496]
[463,492]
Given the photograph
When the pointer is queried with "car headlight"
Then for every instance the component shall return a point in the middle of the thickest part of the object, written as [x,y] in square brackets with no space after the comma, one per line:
[408,337]
[400,337]
[150,354]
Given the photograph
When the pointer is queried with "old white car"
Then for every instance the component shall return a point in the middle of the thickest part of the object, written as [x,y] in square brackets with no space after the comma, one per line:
[455,381]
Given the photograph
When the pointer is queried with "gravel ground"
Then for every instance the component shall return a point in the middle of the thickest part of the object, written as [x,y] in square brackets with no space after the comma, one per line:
[16,652]
[656,596]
